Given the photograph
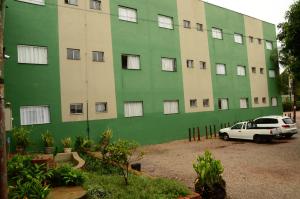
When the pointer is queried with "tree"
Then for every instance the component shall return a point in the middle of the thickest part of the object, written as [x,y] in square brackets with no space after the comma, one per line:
[290,37]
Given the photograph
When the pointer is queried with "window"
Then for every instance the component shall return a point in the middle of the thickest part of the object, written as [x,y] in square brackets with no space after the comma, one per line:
[256,100]
[76,108]
[101,107]
[202,65]
[241,70]
[131,62]
[237,126]
[32,54]
[223,104]
[199,27]
[217,33]
[73,54]
[133,109]
[98,56]
[264,100]
[72,2]
[221,69]
[171,107]
[244,103]
[261,70]
[186,24]
[259,40]
[165,22]
[269,45]
[253,69]
[190,63]
[206,103]
[272,73]
[274,101]
[30,115]
[128,14]
[238,38]
[193,103]
[251,39]
[95,4]
[168,64]
[38,2]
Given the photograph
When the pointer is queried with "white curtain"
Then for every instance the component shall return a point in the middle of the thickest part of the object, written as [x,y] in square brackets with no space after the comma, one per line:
[127,14]
[271,73]
[269,45]
[221,69]
[133,62]
[216,33]
[38,2]
[238,38]
[241,71]
[34,115]
[101,107]
[243,103]
[274,101]
[171,107]
[133,109]
[165,22]
[95,4]
[202,65]
[224,104]
[73,2]
[168,64]
[32,54]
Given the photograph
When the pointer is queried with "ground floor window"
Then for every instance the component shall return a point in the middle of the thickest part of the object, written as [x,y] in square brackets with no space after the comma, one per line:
[76,108]
[223,104]
[34,115]
[244,103]
[133,109]
[171,107]
[274,101]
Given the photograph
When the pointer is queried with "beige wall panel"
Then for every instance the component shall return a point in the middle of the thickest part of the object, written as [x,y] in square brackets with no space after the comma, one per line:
[85,81]
[256,58]
[197,82]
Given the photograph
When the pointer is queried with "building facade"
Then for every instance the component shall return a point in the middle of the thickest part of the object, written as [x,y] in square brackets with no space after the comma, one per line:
[147,69]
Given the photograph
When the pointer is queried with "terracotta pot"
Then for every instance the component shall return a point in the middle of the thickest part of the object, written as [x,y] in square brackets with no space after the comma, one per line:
[49,150]
[20,149]
[67,150]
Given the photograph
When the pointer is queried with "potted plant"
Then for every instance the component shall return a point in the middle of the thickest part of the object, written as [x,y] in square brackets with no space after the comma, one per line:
[67,142]
[21,136]
[48,141]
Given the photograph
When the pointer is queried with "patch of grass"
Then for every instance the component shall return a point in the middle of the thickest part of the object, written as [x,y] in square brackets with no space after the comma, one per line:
[139,187]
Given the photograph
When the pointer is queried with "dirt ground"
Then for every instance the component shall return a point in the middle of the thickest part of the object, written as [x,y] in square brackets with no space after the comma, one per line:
[251,170]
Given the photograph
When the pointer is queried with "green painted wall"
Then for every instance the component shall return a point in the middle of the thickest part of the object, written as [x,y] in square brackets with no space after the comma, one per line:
[226,51]
[269,31]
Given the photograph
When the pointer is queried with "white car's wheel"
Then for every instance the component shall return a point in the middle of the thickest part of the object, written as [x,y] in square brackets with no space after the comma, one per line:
[226,137]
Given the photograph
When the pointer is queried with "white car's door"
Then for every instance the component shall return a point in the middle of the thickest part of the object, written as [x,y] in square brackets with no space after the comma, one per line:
[236,131]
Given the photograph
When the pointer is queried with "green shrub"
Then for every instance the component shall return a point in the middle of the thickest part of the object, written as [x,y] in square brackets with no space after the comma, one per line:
[105,141]
[48,139]
[27,180]
[82,144]
[67,176]
[21,136]
[67,142]
[209,182]
[96,192]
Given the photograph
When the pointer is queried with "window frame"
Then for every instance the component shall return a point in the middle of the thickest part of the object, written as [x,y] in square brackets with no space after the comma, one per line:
[128,8]
[35,2]
[165,16]
[72,4]
[268,44]
[100,3]
[31,63]
[272,101]
[219,64]
[204,104]
[99,103]
[244,69]
[213,29]
[30,106]
[77,113]
[74,59]
[202,65]
[130,55]
[272,73]
[174,67]
[199,27]
[190,61]
[220,104]
[187,24]
[247,103]
[101,52]
[193,103]
[241,37]
[169,101]
[133,116]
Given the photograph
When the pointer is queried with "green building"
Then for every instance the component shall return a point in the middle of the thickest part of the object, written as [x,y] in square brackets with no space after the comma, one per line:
[147,69]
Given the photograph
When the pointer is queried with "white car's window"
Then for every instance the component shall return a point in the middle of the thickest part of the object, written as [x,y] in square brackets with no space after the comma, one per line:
[288,121]
[237,126]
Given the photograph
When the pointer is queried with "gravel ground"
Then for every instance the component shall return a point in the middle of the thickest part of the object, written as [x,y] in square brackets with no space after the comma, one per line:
[251,170]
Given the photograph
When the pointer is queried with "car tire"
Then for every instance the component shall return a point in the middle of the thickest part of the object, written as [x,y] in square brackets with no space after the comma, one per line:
[288,136]
[257,139]
[226,137]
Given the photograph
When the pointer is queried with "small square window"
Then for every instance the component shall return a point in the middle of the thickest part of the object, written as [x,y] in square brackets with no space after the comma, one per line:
[221,69]
[256,100]
[190,63]
[101,107]
[98,56]
[193,103]
[253,69]
[95,4]
[202,65]
[168,64]
[251,39]
[186,24]
[272,74]
[206,103]
[199,27]
[259,41]
[171,107]
[73,54]
[261,70]
[238,38]
[71,2]
[264,100]
[217,33]
[131,62]
[76,108]
[241,70]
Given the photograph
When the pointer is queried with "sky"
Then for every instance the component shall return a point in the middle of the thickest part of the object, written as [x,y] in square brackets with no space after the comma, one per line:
[272,11]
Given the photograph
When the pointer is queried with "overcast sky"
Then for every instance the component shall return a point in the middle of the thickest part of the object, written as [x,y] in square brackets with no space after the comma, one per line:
[272,11]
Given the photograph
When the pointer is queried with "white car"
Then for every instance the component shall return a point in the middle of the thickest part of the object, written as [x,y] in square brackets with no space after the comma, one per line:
[286,126]
[248,131]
